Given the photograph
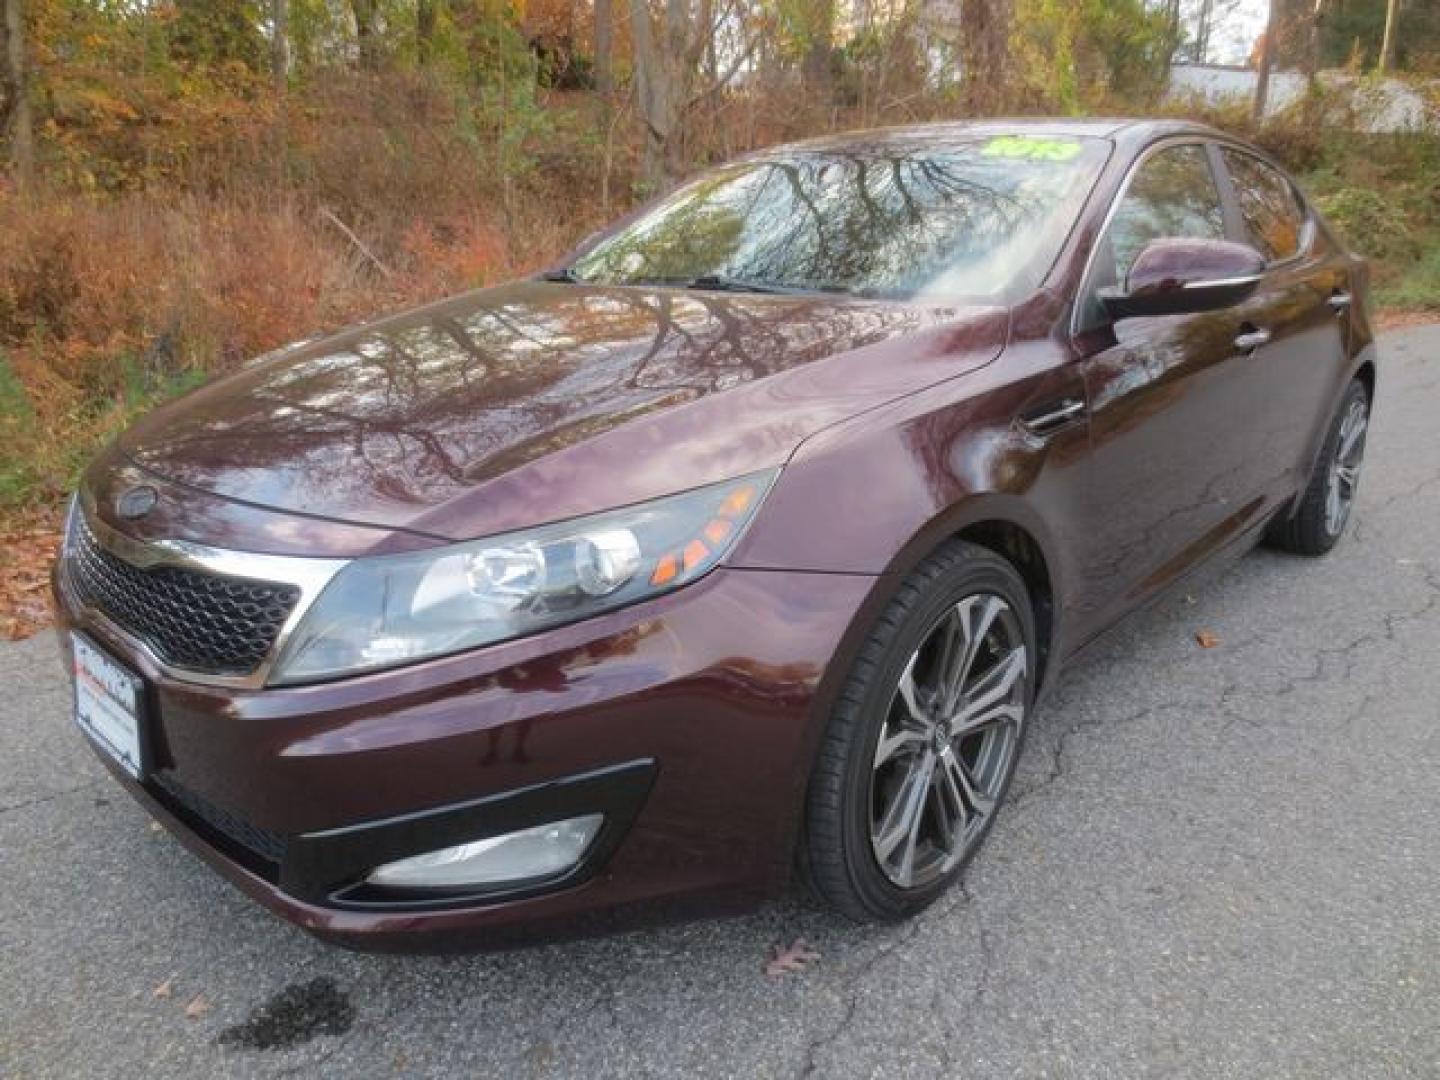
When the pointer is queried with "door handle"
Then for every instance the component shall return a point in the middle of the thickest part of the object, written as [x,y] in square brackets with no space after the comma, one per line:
[1339,302]
[1049,418]
[1252,339]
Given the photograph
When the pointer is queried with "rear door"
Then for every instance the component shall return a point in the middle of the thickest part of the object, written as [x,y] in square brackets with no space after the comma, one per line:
[1302,307]
[1176,420]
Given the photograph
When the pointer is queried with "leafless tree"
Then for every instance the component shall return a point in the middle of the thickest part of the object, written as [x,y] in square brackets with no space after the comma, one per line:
[1387,45]
[821,33]
[1204,25]
[604,47]
[15,120]
[1267,60]
[669,46]
[985,26]
[367,34]
[280,44]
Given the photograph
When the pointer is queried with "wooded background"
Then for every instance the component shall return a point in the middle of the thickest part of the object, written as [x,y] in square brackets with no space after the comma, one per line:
[188,183]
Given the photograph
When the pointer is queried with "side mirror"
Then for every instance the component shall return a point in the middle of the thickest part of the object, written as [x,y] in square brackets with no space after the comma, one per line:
[1176,276]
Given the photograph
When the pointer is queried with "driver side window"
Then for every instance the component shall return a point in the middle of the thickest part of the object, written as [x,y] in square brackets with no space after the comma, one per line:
[1173,194]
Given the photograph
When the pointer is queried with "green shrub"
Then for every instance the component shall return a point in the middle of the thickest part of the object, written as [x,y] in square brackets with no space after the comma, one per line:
[17,427]
[1417,288]
[1370,223]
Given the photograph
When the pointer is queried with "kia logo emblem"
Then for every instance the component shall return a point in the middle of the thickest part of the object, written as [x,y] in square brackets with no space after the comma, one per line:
[137,502]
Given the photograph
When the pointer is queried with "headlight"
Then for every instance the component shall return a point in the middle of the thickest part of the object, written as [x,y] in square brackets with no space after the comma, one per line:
[388,610]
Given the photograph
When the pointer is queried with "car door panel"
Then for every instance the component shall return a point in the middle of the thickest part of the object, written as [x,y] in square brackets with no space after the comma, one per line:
[1296,368]
[1307,350]
[1176,423]
[1166,484]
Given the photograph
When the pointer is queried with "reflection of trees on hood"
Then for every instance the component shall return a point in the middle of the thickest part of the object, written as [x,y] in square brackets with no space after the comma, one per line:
[431,405]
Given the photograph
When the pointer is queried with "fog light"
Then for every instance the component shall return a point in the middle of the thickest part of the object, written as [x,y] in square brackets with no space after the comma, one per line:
[538,852]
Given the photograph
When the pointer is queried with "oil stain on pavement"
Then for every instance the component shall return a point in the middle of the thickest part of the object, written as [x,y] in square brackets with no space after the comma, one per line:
[295,1015]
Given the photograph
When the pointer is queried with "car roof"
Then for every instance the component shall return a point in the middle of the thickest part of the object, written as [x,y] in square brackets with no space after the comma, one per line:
[1134,130]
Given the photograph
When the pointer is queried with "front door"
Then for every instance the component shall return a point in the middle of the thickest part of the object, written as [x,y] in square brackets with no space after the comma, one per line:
[1174,416]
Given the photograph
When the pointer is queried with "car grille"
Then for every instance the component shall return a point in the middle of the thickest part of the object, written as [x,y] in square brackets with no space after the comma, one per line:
[190,619]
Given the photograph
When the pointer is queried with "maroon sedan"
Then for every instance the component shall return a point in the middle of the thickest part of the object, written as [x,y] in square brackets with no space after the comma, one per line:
[742,543]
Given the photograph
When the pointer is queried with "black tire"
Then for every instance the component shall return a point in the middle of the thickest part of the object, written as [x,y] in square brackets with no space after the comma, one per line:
[1313,529]
[838,849]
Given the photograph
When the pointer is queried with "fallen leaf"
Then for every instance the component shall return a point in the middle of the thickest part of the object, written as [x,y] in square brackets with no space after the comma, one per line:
[198,1007]
[29,542]
[1392,319]
[1206,640]
[165,989]
[792,958]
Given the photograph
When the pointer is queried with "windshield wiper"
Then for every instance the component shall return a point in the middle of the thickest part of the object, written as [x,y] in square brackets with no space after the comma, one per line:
[723,283]
[713,283]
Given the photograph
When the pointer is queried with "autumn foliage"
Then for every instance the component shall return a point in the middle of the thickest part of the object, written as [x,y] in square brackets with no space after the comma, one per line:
[198,198]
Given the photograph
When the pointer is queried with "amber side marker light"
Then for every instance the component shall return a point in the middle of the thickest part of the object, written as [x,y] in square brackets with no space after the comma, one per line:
[701,552]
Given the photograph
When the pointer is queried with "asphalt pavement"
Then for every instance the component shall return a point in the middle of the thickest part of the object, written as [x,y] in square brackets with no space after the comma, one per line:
[1221,862]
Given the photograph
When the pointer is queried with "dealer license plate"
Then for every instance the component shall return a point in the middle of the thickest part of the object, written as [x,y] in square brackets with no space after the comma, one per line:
[108,699]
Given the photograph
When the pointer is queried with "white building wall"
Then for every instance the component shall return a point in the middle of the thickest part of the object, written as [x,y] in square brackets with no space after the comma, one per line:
[1387,105]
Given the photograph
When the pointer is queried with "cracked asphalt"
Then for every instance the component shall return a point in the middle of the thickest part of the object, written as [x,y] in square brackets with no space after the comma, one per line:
[1219,862]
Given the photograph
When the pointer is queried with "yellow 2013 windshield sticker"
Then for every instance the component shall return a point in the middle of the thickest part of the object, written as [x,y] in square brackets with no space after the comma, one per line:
[1031,148]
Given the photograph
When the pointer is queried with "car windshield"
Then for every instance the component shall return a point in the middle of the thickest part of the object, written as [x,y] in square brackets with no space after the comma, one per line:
[921,221]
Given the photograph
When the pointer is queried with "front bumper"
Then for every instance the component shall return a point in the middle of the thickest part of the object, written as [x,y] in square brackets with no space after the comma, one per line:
[688,720]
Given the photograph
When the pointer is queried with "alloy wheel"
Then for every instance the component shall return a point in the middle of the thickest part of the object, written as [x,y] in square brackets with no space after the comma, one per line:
[948,741]
[1345,466]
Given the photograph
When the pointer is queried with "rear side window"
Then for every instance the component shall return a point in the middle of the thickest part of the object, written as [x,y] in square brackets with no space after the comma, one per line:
[1272,213]
[1173,193]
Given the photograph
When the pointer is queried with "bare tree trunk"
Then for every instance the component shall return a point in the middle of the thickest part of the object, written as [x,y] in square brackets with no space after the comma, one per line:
[985,29]
[604,47]
[15,119]
[280,77]
[1267,58]
[1310,38]
[1203,25]
[667,68]
[821,34]
[366,36]
[280,44]
[1387,45]
[658,94]
[1172,30]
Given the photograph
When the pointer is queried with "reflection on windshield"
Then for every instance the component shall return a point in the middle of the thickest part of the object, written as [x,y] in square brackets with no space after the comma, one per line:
[919,221]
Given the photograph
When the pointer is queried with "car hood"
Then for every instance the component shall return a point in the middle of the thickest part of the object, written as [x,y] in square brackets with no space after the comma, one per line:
[535,402]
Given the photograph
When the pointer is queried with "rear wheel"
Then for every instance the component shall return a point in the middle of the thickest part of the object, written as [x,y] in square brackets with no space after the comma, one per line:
[924,739]
[1328,499]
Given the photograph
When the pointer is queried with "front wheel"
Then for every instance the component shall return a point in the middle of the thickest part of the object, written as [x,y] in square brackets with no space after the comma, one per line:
[1326,503]
[924,739]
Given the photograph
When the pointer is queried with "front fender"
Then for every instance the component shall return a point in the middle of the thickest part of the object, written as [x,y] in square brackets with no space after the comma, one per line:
[877,496]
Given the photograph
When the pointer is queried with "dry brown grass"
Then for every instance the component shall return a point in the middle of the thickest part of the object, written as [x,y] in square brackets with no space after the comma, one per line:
[159,252]
[109,304]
